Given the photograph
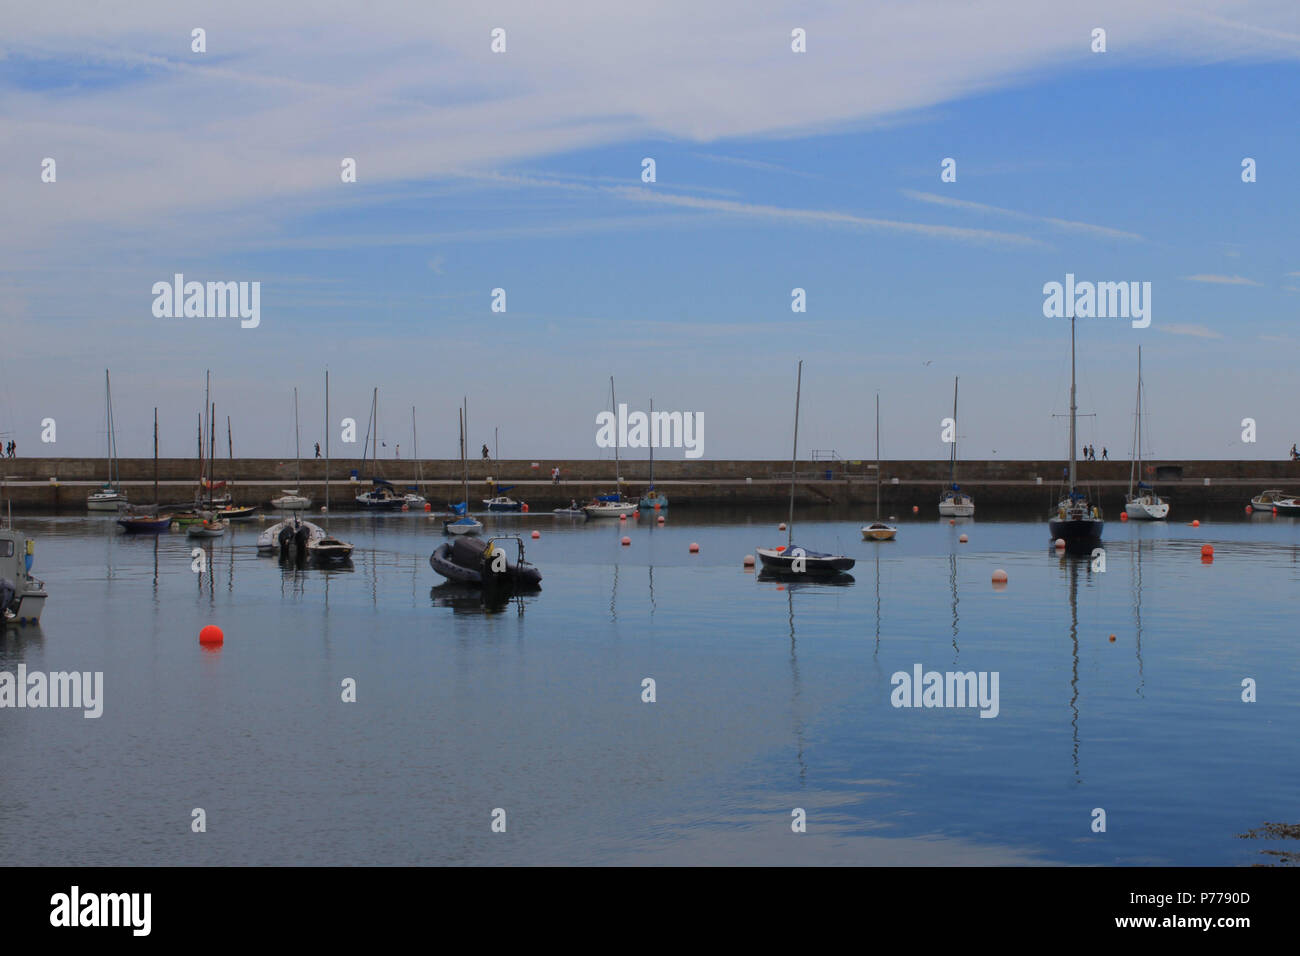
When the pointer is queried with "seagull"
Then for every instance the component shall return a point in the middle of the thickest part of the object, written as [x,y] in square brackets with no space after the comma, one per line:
[927,363]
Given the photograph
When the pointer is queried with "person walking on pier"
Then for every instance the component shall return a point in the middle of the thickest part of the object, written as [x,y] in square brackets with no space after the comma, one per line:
[486,456]
[1103,453]
[318,449]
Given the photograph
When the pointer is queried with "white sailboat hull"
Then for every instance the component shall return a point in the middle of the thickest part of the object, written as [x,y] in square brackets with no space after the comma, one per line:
[106,502]
[611,509]
[954,509]
[1147,509]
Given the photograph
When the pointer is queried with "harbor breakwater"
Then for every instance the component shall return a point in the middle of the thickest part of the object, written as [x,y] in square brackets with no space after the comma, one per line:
[62,484]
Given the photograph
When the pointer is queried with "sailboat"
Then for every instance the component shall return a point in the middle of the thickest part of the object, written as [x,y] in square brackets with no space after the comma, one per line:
[325,548]
[110,496]
[612,505]
[291,500]
[382,496]
[788,559]
[1145,505]
[955,503]
[414,498]
[653,500]
[466,524]
[211,526]
[146,519]
[229,510]
[878,530]
[1075,522]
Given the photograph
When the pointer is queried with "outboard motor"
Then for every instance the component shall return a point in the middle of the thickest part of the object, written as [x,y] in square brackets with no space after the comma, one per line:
[494,571]
[7,592]
[285,539]
[300,536]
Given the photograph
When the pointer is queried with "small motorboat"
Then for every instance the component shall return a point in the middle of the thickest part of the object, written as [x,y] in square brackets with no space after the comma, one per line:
[412,500]
[188,517]
[573,511]
[328,549]
[145,524]
[800,561]
[1267,500]
[878,531]
[654,501]
[232,512]
[477,562]
[291,501]
[210,528]
[503,503]
[26,601]
[272,538]
[1288,506]
[464,525]
[107,498]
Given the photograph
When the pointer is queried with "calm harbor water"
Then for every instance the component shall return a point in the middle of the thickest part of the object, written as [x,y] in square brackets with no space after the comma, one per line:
[769,698]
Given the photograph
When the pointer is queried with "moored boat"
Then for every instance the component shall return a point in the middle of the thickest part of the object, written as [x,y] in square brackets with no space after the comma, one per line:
[237,513]
[878,530]
[788,559]
[291,501]
[477,562]
[208,528]
[22,597]
[1144,504]
[1076,522]
[145,524]
[1268,500]
[610,506]
[955,503]
[503,503]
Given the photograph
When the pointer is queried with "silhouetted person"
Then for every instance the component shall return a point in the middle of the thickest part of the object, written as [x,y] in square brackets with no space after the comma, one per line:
[485,453]
[318,449]
[1104,456]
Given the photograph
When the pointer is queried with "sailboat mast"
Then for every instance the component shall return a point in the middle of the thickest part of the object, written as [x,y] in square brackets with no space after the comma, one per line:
[618,477]
[212,444]
[155,454]
[297,447]
[230,449]
[464,451]
[794,454]
[877,456]
[204,462]
[113,476]
[1139,413]
[415,450]
[652,445]
[952,462]
[327,447]
[1073,447]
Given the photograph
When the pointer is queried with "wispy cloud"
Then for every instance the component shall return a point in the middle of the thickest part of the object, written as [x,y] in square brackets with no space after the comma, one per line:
[757,164]
[1104,232]
[825,217]
[1196,331]
[1220,280]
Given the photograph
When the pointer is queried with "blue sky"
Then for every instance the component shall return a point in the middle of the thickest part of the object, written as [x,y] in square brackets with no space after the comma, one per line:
[774,171]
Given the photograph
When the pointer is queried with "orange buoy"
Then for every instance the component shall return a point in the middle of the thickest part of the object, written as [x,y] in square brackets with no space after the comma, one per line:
[211,636]
[1112,638]
[536,535]
[656,506]
[999,576]
[626,540]
[952,521]
[524,509]
[749,560]
[622,517]
[427,506]
[1207,550]
[1196,523]
[963,539]
[404,508]
[1123,516]
[1060,544]
[695,548]
[1275,509]
[661,519]
[915,509]
[780,548]
[323,509]
[781,526]
[1249,509]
